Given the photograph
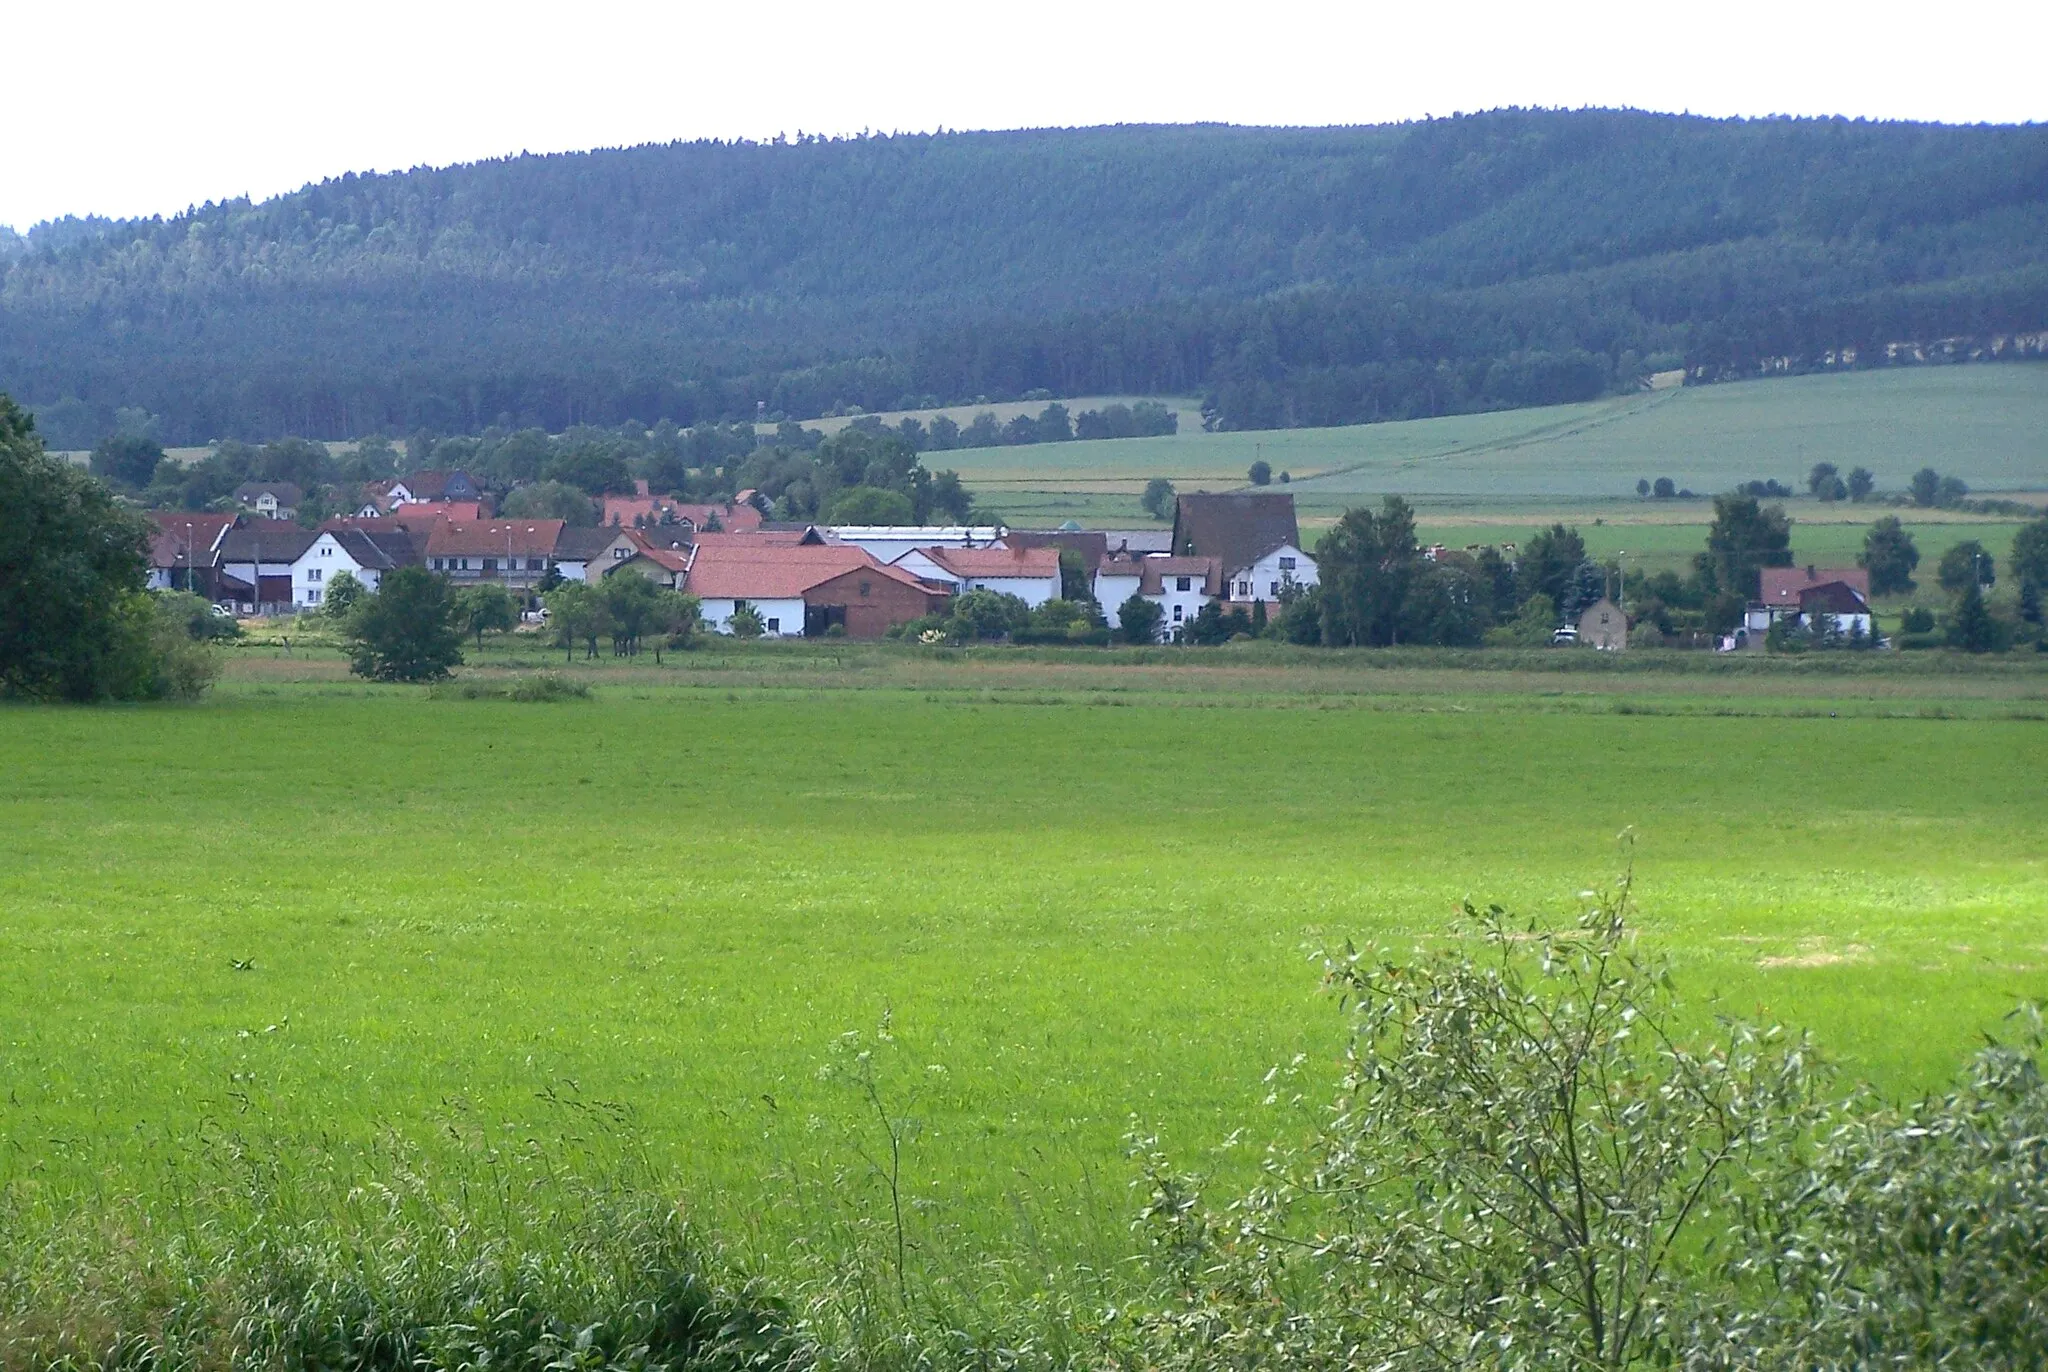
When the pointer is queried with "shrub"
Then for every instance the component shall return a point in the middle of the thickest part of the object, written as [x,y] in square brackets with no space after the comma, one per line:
[746,622]
[1138,620]
[407,631]
[1525,1156]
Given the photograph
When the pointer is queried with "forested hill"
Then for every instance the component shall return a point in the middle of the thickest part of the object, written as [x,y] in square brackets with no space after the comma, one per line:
[1295,276]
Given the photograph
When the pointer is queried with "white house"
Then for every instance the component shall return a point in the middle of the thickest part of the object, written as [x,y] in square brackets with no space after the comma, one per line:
[1030,574]
[1179,586]
[1799,594]
[365,556]
[1277,571]
[586,554]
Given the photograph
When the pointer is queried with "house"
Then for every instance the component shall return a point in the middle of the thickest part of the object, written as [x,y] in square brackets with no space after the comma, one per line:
[889,542]
[644,510]
[579,551]
[184,551]
[363,555]
[1030,574]
[422,488]
[666,567]
[1796,593]
[804,588]
[1253,537]
[270,499]
[1602,625]
[464,511]
[1179,586]
[1090,546]
[256,561]
[513,552]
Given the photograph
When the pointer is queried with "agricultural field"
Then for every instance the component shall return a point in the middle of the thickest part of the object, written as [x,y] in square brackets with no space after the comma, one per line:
[333,920]
[1986,424]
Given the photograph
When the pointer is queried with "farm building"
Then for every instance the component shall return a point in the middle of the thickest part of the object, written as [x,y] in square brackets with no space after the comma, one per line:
[800,588]
[516,553]
[184,552]
[1799,593]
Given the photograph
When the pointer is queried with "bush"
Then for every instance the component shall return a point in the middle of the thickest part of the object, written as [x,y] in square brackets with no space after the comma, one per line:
[541,689]
[988,615]
[1138,620]
[1524,1157]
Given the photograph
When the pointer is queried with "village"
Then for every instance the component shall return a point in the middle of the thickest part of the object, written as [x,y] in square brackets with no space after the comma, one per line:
[1237,551]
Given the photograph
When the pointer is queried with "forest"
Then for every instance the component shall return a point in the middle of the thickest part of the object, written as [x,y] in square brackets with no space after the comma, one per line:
[1285,276]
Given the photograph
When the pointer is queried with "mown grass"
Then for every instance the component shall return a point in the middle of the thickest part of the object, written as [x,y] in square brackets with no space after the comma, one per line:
[328,915]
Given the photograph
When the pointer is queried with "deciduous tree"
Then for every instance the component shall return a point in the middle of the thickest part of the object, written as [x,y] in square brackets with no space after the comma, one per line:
[407,631]
[1889,556]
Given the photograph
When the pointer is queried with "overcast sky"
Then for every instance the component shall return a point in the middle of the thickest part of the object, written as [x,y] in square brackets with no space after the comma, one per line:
[134,109]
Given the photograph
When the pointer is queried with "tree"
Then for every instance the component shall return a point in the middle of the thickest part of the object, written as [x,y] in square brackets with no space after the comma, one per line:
[1889,556]
[1665,488]
[1548,562]
[1861,484]
[633,604]
[1971,625]
[343,594]
[1966,564]
[867,505]
[1743,539]
[1137,620]
[1446,606]
[551,500]
[1924,486]
[1643,487]
[486,608]
[1951,492]
[1157,500]
[1533,626]
[988,614]
[1365,565]
[2029,565]
[72,568]
[407,631]
[1261,473]
[127,459]
[673,621]
[1825,482]
[577,614]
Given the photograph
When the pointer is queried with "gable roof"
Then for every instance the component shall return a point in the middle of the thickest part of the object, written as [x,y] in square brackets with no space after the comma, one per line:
[997,562]
[187,540]
[668,559]
[380,551]
[1238,527]
[575,544]
[671,536]
[494,537]
[432,485]
[279,542]
[1783,586]
[1835,597]
[796,535]
[747,568]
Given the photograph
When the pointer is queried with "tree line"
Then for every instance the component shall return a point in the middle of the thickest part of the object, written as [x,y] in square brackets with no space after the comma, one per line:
[1286,276]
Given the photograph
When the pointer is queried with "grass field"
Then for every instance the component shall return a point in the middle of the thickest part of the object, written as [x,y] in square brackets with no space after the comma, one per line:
[1986,424]
[329,914]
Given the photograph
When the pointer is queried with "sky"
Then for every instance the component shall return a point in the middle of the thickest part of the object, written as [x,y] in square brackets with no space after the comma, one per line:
[125,109]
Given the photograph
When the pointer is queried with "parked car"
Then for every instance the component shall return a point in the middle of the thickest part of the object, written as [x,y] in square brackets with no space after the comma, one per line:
[1567,633]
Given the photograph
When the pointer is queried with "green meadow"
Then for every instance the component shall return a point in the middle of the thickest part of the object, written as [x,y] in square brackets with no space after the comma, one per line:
[1986,424]
[326,919]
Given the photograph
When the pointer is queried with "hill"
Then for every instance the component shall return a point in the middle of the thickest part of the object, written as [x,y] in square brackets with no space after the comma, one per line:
[1292,276]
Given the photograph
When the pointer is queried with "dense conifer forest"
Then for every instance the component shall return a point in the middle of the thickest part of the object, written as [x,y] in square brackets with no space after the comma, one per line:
[1289,276]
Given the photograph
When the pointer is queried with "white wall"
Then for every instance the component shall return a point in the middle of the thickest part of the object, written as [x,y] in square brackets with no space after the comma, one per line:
[787,614]
[917,564]
[888,542]
[1267,575]
[1032,590]
[1171,598]
[318,565]
[1112,591]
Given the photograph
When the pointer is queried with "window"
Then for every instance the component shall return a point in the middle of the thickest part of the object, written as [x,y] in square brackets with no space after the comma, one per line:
[490,564]
[1176,614]
[437,564]
[774,626]
[312,573]
[1244,588]
[866,587]
[1272,588]
[619,554]
[533,564]
[1179,584]
[312,596]
[1286,564]
[326,551]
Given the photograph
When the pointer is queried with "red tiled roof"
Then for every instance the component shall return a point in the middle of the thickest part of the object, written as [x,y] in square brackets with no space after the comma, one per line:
[747,568]
[762,538]
[492,537]
[966,562]
[1784,585]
